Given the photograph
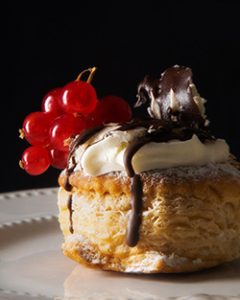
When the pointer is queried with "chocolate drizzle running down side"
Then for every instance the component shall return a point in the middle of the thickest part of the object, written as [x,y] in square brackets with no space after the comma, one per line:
[67,186]
[174,86]
[69,206]
[135,219]
[79,140]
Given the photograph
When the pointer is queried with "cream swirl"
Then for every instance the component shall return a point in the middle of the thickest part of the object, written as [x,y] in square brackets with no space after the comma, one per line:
[104,152]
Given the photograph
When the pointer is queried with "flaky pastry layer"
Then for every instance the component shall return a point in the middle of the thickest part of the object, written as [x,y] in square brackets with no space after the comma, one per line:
[190,219]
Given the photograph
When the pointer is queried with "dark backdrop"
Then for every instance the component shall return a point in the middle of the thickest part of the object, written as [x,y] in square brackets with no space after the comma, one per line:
[48,46]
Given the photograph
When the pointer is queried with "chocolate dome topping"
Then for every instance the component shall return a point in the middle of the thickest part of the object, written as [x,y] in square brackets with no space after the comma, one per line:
[173,98]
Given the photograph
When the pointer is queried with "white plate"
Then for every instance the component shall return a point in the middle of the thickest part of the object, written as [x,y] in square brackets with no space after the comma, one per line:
[33,267]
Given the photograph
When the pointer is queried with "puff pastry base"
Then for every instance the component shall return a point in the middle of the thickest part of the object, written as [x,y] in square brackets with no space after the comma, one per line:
[190,219]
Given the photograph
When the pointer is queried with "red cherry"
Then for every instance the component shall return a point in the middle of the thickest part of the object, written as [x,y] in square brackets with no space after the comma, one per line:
[35,160]
[78,96]
[50,102]
[59,159]
[110,109]
[63,128]
[36,128]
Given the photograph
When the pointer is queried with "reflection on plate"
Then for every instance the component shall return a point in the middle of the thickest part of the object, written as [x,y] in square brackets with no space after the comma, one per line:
[33,267]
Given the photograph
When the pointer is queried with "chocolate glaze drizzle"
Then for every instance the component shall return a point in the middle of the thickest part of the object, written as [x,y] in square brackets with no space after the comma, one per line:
[166,124]
[69,206]
[135,219]
[80,139]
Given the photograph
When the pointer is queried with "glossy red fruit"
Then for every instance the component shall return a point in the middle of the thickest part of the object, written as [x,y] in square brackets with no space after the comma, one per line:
[58,159]
[50,102]
[110,109]
[78,96]
[36,128]
[63,128]
[35,160]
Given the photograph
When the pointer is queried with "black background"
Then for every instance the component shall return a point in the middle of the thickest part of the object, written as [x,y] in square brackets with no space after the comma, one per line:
[48,46]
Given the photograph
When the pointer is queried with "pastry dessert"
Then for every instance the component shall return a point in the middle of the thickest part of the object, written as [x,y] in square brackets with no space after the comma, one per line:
[157,194]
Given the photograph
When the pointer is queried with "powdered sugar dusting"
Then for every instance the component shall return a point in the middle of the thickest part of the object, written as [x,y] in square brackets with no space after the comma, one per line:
[196,173]
[211,170]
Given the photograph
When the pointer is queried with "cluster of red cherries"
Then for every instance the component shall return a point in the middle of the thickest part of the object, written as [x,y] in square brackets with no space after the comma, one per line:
[66,112]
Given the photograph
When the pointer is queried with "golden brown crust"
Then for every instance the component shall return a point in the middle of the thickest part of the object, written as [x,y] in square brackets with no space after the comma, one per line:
[190,219]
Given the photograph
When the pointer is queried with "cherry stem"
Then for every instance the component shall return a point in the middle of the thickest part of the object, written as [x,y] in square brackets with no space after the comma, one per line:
[21,164]
[21,134]
[90,76]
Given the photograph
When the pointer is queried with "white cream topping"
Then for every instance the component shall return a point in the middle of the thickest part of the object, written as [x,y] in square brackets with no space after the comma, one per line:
[106,154]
